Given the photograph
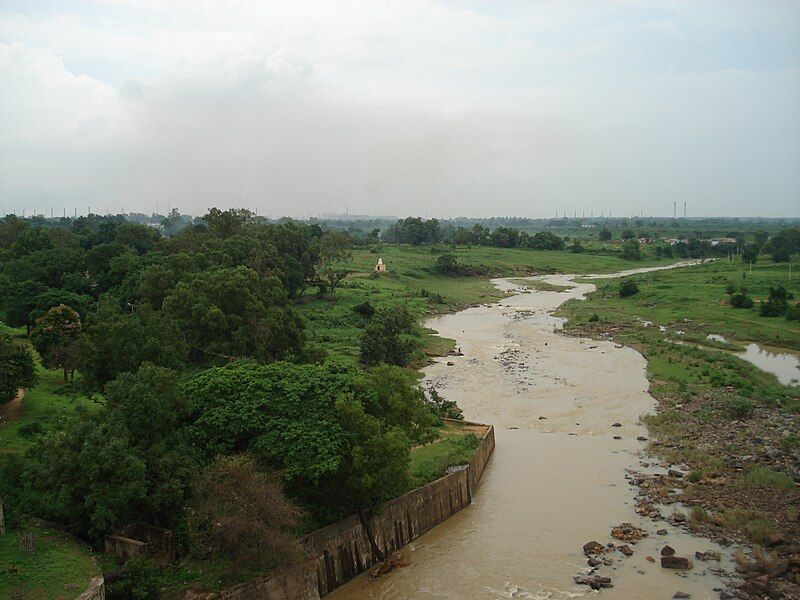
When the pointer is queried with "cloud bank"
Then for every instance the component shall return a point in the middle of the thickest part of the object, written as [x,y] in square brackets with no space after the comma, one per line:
[427,108]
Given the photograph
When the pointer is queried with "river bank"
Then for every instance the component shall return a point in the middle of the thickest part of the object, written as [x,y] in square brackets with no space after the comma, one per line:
[734,426]
[566,414]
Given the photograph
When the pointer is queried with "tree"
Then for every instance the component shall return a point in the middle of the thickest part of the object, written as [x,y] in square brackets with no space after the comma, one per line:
[239,511]
[131,461]
[115,342]
[340,436]
[20,299]
[388,337]
[628,287]
[333,257]
[631,250]
[447,264]
[576,246]
[17,368]
[741,300]
[750,254]
[232,312]
[55,338]
[605,235]
[628,234]
[777,302]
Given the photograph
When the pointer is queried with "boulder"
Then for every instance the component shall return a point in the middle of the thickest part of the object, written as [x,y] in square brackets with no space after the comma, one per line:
[668,551]
[675,562]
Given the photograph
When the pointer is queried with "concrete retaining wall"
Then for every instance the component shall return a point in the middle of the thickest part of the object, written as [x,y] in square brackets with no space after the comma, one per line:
[95,591]
[339,552]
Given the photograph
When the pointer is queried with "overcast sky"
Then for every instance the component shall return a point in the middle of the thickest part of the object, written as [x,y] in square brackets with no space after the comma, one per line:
[467,107]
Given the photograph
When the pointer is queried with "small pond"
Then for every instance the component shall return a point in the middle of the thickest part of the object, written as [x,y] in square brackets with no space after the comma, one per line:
[784,365]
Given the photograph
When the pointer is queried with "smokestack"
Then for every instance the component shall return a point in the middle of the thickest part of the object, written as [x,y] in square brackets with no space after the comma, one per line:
[674,208]
[684,209]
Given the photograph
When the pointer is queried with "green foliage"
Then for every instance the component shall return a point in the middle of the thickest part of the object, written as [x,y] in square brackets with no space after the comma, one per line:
[17,368]
[447,264]
[631,250]
[738,407]
[777,303]
[740,300]
[233,312]
[628,287]
[431,461]
[388,337]
[140,581]
[116,342]
[132,461]
[604,235]
[761,477]
[55,338]
[339,435]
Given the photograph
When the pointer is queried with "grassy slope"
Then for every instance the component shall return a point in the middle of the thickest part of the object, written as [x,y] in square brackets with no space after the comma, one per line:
[59,567]
[43,405]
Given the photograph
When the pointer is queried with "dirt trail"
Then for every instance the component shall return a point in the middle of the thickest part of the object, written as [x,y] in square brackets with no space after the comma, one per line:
[10,410]
[557,478]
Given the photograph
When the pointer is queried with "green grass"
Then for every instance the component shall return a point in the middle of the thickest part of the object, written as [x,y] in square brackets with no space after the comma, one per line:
[456,446]
[59,567]
[42,405]
[761,477]
[411,280]
[698,293]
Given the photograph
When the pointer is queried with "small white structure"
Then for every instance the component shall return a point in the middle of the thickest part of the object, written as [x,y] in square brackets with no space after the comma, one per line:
[380,267]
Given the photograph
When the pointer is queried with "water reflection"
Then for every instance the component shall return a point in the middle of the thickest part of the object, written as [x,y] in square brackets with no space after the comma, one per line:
[784,365]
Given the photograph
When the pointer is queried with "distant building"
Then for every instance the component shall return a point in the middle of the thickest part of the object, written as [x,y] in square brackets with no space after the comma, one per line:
[380,267]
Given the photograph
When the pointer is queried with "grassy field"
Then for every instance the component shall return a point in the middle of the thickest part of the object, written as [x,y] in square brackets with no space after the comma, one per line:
[697,293]
[59,567]
[41,408]
[412,280]
[455,447]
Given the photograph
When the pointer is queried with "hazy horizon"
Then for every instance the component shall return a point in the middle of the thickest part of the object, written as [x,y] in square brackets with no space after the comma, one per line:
[438,109]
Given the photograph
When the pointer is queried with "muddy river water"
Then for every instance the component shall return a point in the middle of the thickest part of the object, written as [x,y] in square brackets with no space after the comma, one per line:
[557,477]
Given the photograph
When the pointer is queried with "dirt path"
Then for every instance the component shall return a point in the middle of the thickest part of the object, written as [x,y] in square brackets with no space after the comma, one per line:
[10,411]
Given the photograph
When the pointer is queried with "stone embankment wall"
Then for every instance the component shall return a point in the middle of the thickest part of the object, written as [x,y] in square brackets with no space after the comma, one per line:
[339,552]
[95,591]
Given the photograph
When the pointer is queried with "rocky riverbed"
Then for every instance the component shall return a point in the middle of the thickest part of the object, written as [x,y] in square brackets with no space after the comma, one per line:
[570,453]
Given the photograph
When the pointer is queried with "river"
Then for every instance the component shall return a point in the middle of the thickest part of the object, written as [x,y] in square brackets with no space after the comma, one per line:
[557,477]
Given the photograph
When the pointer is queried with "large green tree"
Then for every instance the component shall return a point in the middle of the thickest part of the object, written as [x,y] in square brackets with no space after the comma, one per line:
[17,368]
[55,338]
[232,312]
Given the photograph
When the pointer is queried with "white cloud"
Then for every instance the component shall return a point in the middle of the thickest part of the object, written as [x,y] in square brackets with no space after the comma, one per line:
[402,107]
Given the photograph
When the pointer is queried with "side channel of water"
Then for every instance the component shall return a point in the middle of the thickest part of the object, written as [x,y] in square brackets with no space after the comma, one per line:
[557,478]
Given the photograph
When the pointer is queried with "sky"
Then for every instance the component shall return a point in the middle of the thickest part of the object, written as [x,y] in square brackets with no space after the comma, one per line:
[415,107]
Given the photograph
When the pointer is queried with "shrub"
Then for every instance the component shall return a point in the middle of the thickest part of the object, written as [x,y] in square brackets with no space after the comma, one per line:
[761,477]
[739,408]
[140,581]
[741,301]
[628,288]
[365,309]
[730,289]
[594,318]
[793,312]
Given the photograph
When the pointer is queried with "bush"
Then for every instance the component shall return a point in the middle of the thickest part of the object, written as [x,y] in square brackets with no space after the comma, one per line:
[730,289]
[793,312]
[631,250]
[741,301]
[594,318]
[628,288]
[365,309]
[739,408]
[761,477]
[140,581]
